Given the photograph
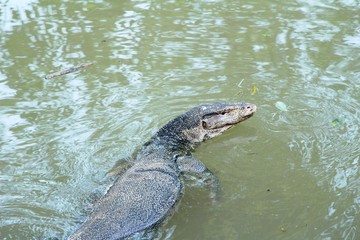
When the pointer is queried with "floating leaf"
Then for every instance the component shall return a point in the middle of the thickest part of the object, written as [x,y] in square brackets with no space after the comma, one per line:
[283,229]
[281,106]
[254,89]
[337,121]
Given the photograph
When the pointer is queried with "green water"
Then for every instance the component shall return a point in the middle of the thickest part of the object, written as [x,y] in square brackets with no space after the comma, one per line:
[284,174]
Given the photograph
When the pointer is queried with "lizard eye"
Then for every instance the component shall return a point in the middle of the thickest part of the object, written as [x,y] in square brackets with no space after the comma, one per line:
[204,125]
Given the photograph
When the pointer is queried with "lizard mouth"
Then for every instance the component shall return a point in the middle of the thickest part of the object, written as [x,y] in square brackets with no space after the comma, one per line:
[249,116]
[227,118]
[237,121]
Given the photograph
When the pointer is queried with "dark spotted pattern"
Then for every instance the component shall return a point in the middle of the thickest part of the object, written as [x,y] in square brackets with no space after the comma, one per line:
[148,191]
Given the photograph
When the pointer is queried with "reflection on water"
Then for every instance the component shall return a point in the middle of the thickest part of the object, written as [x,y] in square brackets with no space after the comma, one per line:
[285,175]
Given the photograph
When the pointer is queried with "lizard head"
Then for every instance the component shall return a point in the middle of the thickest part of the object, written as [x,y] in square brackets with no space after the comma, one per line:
[210,120]
[203,122]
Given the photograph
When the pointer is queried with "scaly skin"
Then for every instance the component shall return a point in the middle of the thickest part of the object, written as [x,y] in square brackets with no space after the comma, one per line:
[149,190]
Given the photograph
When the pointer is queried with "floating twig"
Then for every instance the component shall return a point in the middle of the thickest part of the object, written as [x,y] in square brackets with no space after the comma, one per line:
[69,70]
[239,84]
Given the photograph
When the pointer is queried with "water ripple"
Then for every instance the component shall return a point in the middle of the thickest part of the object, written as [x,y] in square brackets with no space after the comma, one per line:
[155,60]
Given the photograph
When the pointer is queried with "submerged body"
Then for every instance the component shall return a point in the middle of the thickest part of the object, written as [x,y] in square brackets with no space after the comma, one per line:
[149,190]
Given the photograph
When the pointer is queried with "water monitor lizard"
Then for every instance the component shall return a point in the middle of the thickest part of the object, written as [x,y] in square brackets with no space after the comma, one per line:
[147,192]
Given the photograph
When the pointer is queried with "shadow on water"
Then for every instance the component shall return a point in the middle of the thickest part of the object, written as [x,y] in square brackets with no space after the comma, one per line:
[285,174]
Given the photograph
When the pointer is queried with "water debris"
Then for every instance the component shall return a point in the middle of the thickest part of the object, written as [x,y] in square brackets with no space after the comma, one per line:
[239,86]
[254,89]
[69,70]
[283,229]
[337,121]
[281,106]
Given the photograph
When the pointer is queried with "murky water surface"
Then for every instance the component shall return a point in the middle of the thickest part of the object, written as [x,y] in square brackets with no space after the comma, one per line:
[285,174]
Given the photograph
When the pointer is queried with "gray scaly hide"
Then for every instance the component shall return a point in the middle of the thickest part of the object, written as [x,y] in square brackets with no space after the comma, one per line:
[148,191]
